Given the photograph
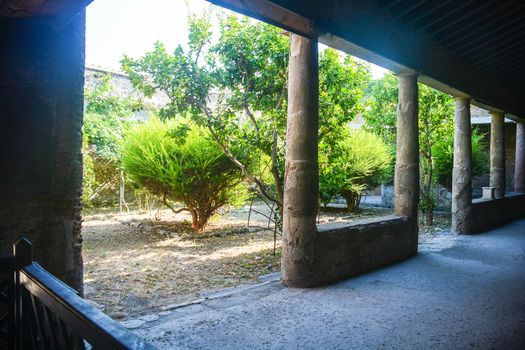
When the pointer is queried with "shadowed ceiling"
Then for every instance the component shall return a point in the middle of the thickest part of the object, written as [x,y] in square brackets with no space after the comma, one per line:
[26,8]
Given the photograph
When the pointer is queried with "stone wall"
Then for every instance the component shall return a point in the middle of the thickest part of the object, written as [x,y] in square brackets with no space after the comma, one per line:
[510,152]
[487,214]
[444,197]
[353,248]
[123,88]
[41,99]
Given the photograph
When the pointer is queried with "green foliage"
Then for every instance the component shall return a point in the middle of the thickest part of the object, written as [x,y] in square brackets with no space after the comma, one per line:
[443,152]
[436,122]
[105,118]
[185,167]
[249,61]
[342,81]
[381,108]
[89,181]
[358,160]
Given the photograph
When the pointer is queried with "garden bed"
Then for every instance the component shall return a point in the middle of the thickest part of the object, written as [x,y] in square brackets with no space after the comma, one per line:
[135,263]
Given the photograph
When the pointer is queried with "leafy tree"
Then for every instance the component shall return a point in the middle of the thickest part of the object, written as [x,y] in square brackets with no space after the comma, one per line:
[89,181]
[381,108]
[342,82]
[436,121]
[237,88]
[106,115]
[105,118]
[358,160]
[443,152]
[181,163]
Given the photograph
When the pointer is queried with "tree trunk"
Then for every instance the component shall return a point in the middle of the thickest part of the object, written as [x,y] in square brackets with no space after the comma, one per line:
[430,217]
[199,218]
[352,200]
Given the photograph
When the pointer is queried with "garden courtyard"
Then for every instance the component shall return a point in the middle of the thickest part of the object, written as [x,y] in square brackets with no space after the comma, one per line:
[144,261]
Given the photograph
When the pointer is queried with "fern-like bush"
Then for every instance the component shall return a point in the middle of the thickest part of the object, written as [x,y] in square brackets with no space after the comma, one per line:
[359,160]
[179,163]
[444,158]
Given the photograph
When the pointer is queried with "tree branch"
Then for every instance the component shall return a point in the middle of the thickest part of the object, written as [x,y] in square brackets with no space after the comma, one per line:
[175,211]
[238,163]
[250,114]
[275,169]
[283,91]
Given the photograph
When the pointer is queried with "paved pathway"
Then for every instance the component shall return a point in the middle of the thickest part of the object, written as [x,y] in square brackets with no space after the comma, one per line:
[460,292]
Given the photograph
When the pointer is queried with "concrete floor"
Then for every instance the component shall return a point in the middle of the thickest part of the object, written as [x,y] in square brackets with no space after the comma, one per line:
[460,292]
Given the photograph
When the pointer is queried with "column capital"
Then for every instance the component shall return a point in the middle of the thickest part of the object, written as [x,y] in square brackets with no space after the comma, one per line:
[407,73]
[495,111]
[312,33]
[465,98]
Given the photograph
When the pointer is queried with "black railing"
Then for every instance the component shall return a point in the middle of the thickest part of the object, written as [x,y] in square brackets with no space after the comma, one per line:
[38,311]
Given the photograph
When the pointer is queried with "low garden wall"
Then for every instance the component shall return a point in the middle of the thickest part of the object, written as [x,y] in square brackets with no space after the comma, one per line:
[351,248]
[487,214]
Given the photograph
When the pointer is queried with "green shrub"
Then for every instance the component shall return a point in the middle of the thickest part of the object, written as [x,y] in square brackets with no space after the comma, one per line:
[89,181]
[443,154]
[359,160]
[183,164]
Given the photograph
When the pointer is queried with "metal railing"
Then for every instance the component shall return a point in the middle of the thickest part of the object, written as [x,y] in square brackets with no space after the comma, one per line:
[38,311]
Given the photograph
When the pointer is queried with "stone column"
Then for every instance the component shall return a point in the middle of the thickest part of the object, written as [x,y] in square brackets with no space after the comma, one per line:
[497,153]
[406,176]
[519,167]
[462,171]
[41,103]
[301,188]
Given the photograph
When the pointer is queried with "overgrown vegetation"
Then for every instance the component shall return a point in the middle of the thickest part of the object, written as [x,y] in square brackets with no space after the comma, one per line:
[444,158]
[359,160]
[225,121]
[179,162]
[249,61]
[105,118]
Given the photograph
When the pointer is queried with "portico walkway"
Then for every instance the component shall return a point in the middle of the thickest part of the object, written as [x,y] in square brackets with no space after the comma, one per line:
[459,292]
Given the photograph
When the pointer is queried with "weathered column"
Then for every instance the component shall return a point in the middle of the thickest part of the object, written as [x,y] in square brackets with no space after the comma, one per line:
[301,188]
[406,177]
[519,165]
[462,171]
[497,153]
[41,111]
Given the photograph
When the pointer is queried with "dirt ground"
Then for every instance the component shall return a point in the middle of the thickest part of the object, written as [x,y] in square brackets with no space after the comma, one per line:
[135,263]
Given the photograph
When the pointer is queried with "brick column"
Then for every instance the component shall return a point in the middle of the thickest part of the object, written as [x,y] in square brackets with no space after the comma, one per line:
[301,188]
[497,153]
[519,169]
[462,171]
